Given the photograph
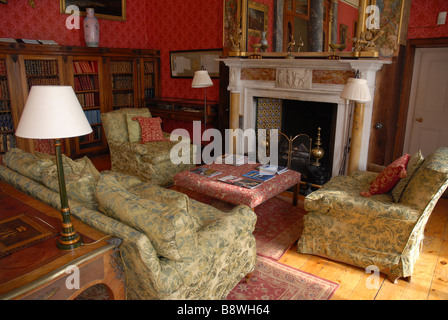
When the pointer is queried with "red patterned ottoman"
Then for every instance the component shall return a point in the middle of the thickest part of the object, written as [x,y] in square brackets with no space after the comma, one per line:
[235,194]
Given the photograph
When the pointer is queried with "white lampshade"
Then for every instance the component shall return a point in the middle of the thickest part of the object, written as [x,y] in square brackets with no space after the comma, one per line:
[356,90]
[52,112]
[201,79]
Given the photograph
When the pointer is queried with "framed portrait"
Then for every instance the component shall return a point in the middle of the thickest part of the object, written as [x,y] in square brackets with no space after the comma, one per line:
[257,18]
[184,63]
[104,9]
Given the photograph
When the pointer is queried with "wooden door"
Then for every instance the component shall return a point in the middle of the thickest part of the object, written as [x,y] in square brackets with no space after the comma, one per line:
[427,127]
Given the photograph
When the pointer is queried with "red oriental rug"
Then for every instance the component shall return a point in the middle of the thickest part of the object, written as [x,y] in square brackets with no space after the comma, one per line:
[275,281]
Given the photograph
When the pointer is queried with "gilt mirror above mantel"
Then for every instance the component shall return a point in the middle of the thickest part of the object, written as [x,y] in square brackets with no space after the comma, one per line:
[315,28]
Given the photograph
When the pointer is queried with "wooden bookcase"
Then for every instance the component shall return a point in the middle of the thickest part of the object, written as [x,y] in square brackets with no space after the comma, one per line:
[104,79]
[7,138]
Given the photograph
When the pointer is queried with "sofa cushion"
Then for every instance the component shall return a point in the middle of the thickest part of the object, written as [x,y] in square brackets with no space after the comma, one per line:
[169,228]
[134,129]
[80,180]
[115,122]
[151,129]
[27,164]
[414,163]
[389,177]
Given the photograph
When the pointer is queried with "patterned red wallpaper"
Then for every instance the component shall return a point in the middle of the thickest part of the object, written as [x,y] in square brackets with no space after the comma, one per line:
[423,19]
[168,25]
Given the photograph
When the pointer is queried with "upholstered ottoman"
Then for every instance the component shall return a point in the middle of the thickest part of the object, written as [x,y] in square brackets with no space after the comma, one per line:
[212,187]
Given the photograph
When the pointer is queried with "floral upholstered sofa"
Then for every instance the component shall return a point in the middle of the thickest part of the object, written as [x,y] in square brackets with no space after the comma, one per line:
[172,247]
[383,230]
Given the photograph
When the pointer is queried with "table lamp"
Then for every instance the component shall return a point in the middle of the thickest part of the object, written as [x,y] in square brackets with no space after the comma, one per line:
[54,112]
[358,91]
[201,79]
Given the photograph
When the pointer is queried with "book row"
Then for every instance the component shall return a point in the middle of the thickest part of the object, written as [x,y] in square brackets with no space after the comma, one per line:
[123,98]
[41,67]
[121,67]
[96,134]
[6,122]
[93,116]
[2,68]
[5,105]
[4,92]
[90,99]
[123,82]
[85,82]
[148,81]
[49,81]
[149,67]
[85,66]
[149,93]
[7,141]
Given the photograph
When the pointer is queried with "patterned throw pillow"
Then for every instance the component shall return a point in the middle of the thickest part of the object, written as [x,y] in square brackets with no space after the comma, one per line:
[414,163]
[389,177]
[151,129]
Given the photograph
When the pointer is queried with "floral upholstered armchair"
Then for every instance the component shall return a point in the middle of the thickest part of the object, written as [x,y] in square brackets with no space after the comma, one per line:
[149,161]
[383,230]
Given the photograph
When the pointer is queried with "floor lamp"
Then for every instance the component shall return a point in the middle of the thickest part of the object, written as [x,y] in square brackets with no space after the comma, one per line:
[201,79]
[54,112]
[358,91]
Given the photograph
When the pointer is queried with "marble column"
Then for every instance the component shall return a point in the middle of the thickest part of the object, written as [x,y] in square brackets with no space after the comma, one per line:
[315,26]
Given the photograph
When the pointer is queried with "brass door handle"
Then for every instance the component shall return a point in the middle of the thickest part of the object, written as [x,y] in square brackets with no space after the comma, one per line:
[419,119]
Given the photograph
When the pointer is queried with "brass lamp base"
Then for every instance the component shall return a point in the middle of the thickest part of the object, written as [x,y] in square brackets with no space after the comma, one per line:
[69,239]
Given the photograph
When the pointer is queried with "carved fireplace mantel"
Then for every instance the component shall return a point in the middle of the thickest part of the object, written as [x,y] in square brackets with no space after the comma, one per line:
[316,80]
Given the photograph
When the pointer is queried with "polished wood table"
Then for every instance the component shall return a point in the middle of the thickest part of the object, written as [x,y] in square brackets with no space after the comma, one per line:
[38,270]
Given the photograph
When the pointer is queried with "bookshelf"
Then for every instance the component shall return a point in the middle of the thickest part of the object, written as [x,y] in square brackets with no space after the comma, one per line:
[42,71]
[87,81]
[123,83]
[104,79]
[149,76]
[7,138]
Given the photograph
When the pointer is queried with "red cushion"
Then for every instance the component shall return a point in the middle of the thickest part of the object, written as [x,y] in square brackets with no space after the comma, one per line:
[389,177]
[151,129]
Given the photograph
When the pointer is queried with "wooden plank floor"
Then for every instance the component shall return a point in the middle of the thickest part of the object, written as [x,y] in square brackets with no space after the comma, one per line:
[429,280]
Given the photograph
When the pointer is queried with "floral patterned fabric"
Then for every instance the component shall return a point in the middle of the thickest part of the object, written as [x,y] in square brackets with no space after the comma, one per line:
[222,253]
[148,161]
[343,225]
[234,194]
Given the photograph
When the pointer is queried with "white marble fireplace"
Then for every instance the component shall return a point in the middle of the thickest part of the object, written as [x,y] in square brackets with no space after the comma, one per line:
[317,80]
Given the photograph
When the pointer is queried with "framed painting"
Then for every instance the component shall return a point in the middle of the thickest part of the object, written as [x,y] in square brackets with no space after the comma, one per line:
[257,18]
[105,9]
[185,63]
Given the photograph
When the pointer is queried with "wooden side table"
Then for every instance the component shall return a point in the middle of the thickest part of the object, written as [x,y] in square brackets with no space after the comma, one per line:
[42,271]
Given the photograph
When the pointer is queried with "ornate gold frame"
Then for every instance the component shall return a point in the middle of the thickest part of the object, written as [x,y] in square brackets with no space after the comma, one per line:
[98,14]
[257,8]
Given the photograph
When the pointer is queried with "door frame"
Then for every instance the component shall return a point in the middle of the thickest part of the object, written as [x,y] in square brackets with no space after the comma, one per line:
[413,44]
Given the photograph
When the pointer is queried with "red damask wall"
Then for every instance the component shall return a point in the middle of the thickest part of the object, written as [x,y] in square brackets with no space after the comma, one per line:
[168,25]
[165,25]
[423,19]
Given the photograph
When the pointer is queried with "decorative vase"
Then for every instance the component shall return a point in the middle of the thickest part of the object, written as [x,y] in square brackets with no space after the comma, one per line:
[91,29]
[263,40]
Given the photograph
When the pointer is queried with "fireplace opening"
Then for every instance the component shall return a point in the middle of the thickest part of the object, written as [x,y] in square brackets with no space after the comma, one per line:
[293,118]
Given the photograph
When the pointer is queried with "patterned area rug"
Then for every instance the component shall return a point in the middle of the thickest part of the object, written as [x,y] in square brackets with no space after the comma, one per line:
[275,281]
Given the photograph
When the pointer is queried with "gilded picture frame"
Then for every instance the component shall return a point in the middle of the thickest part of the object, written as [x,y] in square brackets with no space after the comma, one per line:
[257,18]
[106,9]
